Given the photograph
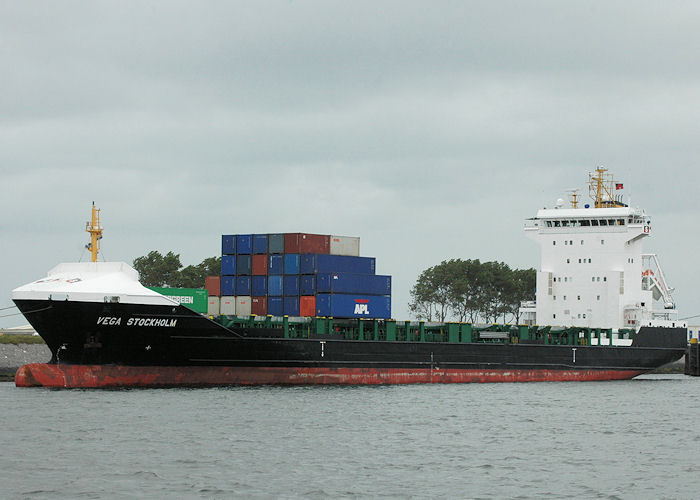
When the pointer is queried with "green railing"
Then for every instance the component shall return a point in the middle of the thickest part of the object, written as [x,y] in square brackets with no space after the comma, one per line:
[420,331]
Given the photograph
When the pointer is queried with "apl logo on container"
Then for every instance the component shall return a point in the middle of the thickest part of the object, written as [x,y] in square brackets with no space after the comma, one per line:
[361,306]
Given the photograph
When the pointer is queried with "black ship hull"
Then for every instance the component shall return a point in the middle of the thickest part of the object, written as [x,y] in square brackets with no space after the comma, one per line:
[113,344]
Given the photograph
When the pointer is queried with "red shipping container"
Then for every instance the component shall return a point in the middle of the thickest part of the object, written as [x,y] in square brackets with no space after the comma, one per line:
[307,243]
[213,285]
[307,305]
[258,306]
[260,265]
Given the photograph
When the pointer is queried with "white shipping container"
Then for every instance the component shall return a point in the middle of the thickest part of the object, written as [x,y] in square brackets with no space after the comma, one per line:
[228,306]
[213,306]
[243,305]
[345,245]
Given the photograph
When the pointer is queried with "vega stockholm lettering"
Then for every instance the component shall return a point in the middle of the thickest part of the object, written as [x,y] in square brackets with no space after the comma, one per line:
[114,321]
[109,320]
[169,323]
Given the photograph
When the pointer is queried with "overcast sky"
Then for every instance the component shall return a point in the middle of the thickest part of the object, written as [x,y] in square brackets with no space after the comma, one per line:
[429,129]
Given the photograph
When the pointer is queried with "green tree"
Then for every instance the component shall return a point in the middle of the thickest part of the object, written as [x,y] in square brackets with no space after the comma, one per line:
[525,281]
[195,276]
[432,294]
[470,290]
[166,270]
[157,270]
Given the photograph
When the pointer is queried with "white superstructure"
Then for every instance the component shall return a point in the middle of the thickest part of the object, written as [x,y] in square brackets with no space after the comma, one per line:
[593,271]
[91,282]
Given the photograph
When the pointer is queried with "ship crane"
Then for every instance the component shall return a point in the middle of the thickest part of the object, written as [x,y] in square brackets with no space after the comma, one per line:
[653,279]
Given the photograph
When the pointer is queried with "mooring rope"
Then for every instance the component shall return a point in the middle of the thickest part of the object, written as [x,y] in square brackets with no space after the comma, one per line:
[26,312]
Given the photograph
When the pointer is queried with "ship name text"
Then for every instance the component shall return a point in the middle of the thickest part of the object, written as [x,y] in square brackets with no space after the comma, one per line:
[117,321]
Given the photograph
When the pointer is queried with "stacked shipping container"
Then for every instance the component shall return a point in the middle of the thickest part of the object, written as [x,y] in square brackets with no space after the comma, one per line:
[299,274]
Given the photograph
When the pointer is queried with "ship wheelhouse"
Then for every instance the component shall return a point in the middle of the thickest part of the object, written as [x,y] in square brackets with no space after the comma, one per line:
[593,271]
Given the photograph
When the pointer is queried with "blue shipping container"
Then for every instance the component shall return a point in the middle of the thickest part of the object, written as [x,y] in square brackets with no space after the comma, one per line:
[275,243]
[242,285]
[314,263]
[275,264]
[228,244]
[274,285]
[291,284]
[307,285]
[259,286]
[244,243]
[275,306]
[291,263]
[228,264]
[244,264]
[228,286]
[291,306]
[353,306]
[259,243]
[370,284]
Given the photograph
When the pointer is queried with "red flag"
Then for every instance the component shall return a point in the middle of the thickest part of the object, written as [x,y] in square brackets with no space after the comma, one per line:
[618,185]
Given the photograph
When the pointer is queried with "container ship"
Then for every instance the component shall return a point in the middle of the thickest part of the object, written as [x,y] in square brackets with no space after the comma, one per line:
[299,308]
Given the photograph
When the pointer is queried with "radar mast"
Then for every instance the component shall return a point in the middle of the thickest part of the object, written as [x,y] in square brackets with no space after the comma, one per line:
[601,188]
[93,227]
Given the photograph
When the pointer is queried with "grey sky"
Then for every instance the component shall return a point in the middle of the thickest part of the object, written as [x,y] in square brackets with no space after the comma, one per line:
[429,129]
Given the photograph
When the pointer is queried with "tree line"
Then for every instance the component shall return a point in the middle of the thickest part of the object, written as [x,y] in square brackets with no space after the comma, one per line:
[472,291]
[166,270]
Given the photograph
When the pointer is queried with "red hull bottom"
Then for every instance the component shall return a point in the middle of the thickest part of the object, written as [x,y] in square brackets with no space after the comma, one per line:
[103,376]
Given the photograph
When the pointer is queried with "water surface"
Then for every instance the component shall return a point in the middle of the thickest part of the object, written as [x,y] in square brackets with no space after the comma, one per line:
[626,439]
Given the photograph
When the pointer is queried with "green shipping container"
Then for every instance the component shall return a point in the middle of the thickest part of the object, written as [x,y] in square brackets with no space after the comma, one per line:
[196,299]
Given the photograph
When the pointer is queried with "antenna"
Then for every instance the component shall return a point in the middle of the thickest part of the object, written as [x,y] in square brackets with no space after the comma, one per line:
[573,197]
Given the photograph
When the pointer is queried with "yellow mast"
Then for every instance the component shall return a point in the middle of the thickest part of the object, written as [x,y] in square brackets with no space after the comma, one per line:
[93,227]
[573,198]
[601,189]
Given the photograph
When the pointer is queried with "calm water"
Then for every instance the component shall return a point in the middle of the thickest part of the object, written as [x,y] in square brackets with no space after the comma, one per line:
[631,439]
